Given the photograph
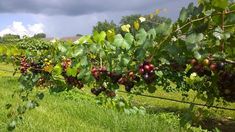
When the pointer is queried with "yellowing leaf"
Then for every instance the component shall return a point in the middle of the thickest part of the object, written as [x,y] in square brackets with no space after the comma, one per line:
[142,19]
[136,25]
[110,35]
[126,28]
[151,16]
[48,68]
[157,11]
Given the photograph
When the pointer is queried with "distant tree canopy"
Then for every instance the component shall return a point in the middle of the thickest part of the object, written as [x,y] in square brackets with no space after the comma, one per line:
[78,34]
[40,35]
[104,26]
[151,22]
[9,38]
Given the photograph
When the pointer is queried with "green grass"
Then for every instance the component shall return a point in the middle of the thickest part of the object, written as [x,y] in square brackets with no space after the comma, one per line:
[79,113]
[58,113]
[156,104]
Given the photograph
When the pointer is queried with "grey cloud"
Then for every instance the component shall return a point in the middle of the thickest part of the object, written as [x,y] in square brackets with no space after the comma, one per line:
[73,7]
[69,17]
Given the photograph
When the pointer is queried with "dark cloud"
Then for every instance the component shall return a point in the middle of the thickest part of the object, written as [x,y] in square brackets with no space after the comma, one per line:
[74,7]
[69,17]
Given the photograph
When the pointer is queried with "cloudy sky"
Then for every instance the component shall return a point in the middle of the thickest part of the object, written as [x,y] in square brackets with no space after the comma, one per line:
[58,18]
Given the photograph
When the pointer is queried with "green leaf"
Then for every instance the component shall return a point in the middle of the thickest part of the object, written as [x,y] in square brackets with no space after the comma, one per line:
[194,38]
[62,48]
[140,53]
[84,61]
[77,51]
[152,33]
[183,14]
[222,4]
[125,60]
[99,37]
[218,33]
[141,36]
[57,70]
[119,41]
[94,48]
[129,38]
[84,39]
[197,55]
[82,73]
[164,29]
[71,72]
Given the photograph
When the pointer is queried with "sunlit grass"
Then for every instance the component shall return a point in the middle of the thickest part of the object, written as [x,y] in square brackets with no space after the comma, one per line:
[58,113]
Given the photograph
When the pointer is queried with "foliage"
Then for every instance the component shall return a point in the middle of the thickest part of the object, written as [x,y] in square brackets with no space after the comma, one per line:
[33,44]
[79,34]
[9,38]
[39,35]
[104,26]
[152,20]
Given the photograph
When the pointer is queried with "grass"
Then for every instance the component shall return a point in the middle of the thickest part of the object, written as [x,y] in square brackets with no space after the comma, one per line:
[58,113]
[80,113]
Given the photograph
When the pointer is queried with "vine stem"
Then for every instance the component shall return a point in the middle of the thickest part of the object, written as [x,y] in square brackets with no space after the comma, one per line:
[222,27]
[101,62]
[159,45]
[226,60]
[190,22]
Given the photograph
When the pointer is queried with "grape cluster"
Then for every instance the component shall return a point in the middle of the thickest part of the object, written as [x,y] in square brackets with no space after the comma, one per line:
[99,73]
[66,63]
[41,81]
[206,67]
[36,67]
[129,81]
[114,76]
[70,80]
[200,68]
[177,67]
[97,91]
[226,84]
[226,79]
[73,81]
[147,71]
[24,66]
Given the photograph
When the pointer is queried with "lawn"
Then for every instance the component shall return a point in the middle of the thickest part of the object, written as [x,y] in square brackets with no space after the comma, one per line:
[57,112]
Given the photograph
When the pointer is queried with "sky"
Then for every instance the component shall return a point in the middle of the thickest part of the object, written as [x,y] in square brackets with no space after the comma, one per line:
[60,18]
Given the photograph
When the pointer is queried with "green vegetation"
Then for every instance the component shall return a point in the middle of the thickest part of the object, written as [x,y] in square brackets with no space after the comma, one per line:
[192,58]
[77,111]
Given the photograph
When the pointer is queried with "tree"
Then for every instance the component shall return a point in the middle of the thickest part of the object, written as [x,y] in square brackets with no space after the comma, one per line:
[40,35]
[104,26]
[10,38]
[151,20]
[129,19]
[78,35]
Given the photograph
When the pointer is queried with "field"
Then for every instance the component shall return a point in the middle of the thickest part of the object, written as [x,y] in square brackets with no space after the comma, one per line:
[77,110]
